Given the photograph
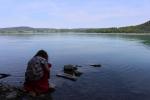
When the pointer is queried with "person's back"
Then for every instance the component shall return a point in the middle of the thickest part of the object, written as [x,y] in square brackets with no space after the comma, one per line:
[37,74]
[35,68]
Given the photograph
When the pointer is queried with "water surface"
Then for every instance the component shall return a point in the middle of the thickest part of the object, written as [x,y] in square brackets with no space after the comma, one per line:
[124,74]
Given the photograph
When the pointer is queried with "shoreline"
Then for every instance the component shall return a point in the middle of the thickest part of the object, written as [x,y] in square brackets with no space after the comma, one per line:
[73,33]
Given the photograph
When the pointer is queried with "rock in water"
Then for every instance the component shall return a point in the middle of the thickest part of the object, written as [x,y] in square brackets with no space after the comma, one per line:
[67,76]
[96,65]
[4,75]
[11,95]
[69,69]
[77,73]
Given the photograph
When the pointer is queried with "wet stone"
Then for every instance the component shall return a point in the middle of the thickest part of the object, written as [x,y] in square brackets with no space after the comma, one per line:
[11,95]
[4,75]
[8,92]
[96,65]
[4,89]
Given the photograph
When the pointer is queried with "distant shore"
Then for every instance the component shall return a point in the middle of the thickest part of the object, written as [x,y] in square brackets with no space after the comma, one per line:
[143,28]
[74,33]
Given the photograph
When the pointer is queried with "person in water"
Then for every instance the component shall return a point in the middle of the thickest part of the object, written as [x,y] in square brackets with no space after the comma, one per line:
[37,74]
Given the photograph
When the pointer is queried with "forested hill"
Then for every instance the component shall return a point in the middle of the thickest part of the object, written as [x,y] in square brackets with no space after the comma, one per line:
[142,28]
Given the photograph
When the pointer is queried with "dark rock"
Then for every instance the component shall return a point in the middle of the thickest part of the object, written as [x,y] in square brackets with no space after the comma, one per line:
[70,72]
[67,76]
[69,69]
[4,75]
[77,73]
[8,92]
[77,66]
[96,65]
[4,89]
[11,95]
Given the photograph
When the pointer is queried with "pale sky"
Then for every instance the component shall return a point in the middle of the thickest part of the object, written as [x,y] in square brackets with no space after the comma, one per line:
[73,13]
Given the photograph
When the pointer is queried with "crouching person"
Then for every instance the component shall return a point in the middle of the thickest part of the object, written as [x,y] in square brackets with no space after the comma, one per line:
[37,74]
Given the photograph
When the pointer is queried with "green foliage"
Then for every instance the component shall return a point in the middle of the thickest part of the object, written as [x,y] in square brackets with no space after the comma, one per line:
[142,28]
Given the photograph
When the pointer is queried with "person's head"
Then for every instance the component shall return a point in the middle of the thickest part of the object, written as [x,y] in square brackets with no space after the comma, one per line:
[42,53]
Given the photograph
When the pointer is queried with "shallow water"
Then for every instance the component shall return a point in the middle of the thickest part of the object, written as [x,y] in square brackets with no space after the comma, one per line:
[124,74]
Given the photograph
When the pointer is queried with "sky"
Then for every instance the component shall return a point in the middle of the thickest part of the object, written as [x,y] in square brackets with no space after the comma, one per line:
[73,13]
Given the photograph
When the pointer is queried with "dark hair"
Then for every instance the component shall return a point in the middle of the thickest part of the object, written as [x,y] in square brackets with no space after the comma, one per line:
[42,53]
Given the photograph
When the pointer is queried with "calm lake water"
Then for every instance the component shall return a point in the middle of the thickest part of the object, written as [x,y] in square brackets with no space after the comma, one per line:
[125,59]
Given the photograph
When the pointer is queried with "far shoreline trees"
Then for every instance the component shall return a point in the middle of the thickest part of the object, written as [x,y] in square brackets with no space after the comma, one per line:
[142,28]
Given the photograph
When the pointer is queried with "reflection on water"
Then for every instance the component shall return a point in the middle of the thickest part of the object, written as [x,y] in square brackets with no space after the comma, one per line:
[124,74]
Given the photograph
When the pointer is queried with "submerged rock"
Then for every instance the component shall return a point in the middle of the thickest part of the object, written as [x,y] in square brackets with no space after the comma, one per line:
[4,75]
[67,76]
[96,65]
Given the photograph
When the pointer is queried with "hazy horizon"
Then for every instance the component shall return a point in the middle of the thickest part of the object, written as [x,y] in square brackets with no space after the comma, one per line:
[73,14]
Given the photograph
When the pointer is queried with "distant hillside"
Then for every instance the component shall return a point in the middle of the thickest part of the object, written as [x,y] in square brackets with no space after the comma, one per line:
[142,28]
[26,30]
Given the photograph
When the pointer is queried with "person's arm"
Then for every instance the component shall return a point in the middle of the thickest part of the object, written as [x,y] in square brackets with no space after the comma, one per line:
[47,67]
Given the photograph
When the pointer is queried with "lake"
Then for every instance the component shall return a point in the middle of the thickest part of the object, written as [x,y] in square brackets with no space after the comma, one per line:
[125,60]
